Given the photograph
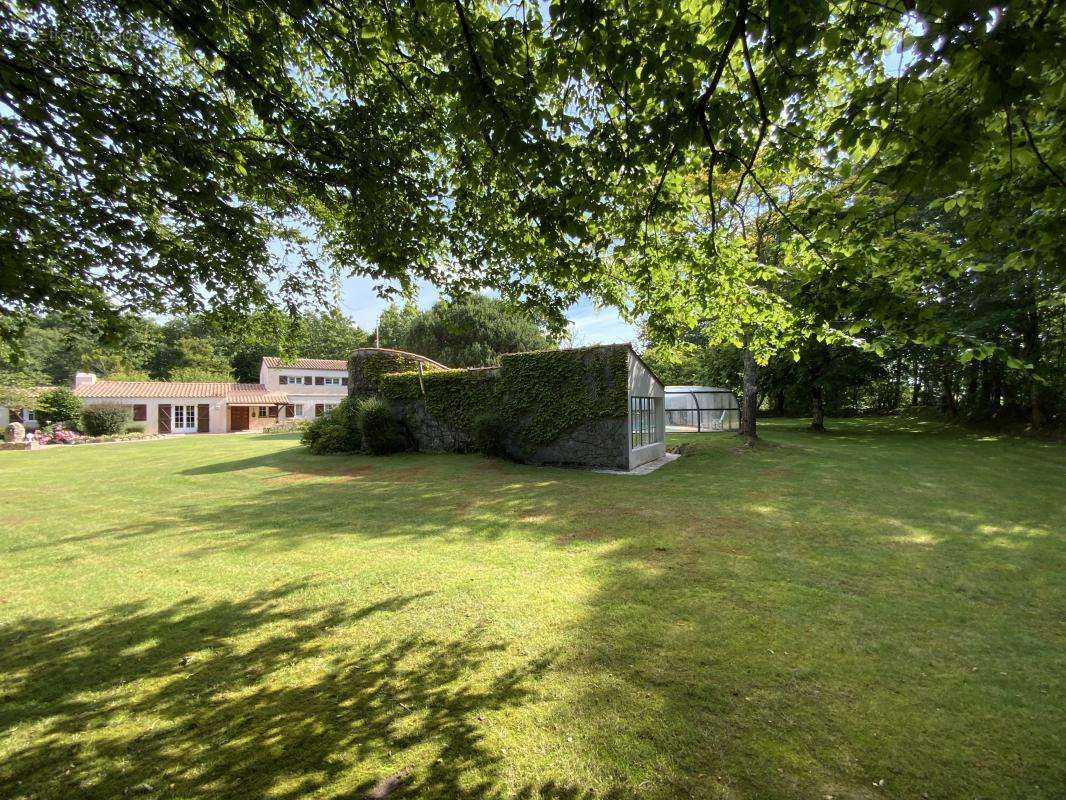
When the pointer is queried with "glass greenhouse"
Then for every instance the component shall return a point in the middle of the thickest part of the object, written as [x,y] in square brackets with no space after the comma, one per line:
[698,409]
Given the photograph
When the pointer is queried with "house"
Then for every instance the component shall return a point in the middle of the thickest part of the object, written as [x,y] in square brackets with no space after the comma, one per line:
[313,386]
[300,389]
[10,412]
[595,406]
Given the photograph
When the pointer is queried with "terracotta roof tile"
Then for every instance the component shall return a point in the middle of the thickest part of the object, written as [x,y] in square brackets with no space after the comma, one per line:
[305,363]
[151,389]
[251,393]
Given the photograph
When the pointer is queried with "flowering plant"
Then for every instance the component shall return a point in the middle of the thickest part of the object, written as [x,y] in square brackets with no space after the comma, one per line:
[58,436]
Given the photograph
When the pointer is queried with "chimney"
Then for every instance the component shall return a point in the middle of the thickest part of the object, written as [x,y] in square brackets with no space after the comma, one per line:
[84,379]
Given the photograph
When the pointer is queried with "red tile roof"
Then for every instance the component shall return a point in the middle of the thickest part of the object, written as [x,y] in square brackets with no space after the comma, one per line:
[305,363]
[232,392]
[254,394]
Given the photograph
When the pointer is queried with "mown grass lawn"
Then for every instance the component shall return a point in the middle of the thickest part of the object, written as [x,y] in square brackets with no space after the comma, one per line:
[877,612]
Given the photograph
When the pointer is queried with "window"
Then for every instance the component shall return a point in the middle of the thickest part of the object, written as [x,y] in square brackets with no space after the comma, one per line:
[331,381]
[29,415]
[298,410]
[262,411]
[183,419]
[644,417]
[329,407]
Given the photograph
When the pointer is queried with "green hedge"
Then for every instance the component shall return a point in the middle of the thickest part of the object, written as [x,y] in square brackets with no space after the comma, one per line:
[106,419]
[365,371]
[539,395]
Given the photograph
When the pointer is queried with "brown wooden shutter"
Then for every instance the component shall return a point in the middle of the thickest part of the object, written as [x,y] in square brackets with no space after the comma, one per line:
[307,380]
[273,411]
[320,409]
[203,418]
[140,412]
[290,411]
[283,380]
[344,381]
[164,418]
[319,380]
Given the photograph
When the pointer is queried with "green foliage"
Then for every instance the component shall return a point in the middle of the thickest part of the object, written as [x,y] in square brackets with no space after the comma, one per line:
[377,423]
[58,405]
[136,427]
[541,395]
[490,433]
[470,332]
[105,419]
[336,432]
[367,370]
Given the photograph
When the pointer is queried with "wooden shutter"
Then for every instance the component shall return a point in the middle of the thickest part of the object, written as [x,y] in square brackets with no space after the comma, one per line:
[273,411]
[203,418]
[319,380]
[283,380]
[164,418]
[140,412]
[307,380]
[290,411]
[320,409]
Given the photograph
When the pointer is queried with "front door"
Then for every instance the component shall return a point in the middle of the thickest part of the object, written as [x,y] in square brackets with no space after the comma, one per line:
[183,419]
[238,418]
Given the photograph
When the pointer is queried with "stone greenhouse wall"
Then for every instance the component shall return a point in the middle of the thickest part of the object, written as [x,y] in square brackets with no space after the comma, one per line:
[559,406]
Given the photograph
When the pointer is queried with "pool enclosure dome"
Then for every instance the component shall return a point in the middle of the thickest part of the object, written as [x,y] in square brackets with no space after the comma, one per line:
[699,409]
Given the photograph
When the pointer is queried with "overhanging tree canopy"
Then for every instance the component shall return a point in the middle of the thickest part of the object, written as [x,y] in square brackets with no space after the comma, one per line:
[153,150]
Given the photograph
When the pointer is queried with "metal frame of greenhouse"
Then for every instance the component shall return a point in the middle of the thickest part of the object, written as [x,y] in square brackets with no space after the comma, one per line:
[701,409]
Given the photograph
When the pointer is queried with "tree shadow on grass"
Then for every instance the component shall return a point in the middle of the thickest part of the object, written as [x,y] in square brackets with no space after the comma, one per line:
[254,698]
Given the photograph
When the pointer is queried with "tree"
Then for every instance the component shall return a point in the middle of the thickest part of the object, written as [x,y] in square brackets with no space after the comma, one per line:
[198,361]
[58,405]
[473,331]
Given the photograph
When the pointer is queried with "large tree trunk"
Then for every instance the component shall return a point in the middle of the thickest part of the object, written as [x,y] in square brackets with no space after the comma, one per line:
[1031,340]
[750,403]
[948,404]
[916,387]
[817,409]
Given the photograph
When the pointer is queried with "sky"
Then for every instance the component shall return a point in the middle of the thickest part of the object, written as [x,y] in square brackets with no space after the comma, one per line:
[588,324]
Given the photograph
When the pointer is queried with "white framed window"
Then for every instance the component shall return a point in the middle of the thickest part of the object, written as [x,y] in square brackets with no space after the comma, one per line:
[327,407]
[298,410]
[331,381]
[644,419]
[263,411]
[183,419]
[29,415]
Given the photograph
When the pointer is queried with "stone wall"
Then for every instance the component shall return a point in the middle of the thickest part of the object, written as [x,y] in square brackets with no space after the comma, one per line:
[596,443]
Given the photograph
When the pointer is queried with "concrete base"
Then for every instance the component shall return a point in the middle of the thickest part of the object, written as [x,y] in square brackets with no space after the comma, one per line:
[643,469]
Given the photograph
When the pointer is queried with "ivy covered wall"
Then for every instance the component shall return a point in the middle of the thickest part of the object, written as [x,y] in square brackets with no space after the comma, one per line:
[541,396]
[368,365]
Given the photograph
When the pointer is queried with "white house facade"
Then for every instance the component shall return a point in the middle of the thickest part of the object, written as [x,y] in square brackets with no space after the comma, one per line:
[312,386]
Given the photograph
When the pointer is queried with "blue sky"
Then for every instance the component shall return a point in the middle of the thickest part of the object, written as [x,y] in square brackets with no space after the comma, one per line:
[588,324]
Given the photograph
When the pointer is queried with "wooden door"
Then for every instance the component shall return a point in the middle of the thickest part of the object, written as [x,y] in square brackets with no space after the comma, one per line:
[238,418]
[203,418]
[164,418]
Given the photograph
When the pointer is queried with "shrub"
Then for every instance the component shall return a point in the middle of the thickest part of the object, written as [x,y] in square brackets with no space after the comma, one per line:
[378,426]
[489,434]
[105,419]
[335,432]
[58,405]
[136,427]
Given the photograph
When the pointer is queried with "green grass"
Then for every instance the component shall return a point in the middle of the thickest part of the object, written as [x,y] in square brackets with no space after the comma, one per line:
[230,616]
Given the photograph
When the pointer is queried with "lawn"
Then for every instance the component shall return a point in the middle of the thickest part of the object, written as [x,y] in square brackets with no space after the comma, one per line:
[876,612]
